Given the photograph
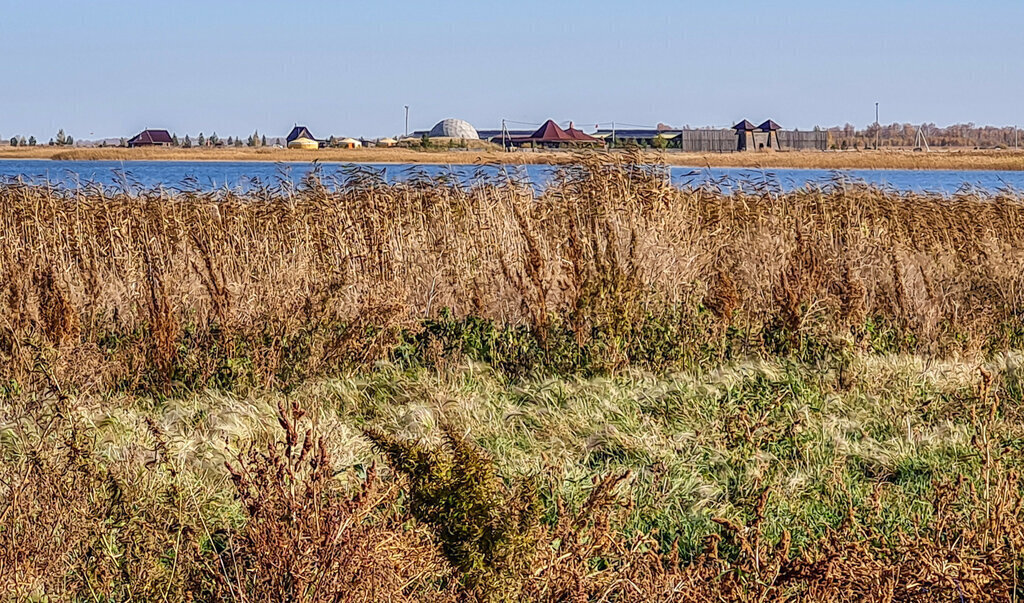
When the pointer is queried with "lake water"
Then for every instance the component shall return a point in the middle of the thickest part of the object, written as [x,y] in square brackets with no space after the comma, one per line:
[209,175]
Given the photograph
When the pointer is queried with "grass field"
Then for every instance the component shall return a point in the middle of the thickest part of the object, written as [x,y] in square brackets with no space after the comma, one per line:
[425,391]
[959,159]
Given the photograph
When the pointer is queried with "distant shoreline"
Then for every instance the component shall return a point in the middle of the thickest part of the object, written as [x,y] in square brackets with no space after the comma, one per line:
[958,159]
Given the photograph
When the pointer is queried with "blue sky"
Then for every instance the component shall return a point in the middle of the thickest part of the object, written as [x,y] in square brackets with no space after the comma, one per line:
[113,67]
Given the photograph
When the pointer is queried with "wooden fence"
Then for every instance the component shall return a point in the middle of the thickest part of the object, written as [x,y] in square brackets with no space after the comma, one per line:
[803,141]
[725,141]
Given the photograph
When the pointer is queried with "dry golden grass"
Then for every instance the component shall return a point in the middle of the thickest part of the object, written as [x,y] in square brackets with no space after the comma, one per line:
[960,159]
[160,294]
[115,499]
[607,251]
[957,159]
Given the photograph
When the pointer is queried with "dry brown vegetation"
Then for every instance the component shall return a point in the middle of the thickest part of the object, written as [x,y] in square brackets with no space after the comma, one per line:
[439,155]
[946,159]
[137,313]
[609,267]
[444,526]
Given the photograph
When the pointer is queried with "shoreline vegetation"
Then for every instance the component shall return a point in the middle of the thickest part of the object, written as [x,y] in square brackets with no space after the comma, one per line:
[956,159]
[611,389]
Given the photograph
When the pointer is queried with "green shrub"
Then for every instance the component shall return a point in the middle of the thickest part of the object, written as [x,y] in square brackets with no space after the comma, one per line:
[486,528]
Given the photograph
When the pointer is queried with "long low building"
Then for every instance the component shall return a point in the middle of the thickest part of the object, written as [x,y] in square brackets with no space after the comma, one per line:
[742,137]
[496,135]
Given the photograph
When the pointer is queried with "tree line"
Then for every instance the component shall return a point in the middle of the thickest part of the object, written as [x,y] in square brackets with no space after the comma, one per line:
[254,140]
[62,139]
[905,135]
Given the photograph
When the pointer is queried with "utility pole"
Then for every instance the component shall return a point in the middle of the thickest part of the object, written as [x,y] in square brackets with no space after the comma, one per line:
[878,126]
[613,135]
[503,147]
[407,121]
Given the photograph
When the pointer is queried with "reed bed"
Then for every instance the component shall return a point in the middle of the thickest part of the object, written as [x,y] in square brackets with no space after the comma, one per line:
[945,159]
[478,152]
[608,267]
[610,389]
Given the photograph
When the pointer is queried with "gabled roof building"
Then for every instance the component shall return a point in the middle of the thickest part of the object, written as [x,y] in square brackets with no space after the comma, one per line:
[580,136]
[300,132]
[151,138]
[301,138]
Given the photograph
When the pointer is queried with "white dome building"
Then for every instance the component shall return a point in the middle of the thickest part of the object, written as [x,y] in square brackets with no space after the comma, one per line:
[453,128]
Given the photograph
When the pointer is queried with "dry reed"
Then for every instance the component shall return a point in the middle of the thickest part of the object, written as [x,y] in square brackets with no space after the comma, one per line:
[608,250]
[946,159]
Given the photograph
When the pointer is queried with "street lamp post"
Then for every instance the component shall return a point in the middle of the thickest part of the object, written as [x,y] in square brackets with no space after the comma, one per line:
[878,126]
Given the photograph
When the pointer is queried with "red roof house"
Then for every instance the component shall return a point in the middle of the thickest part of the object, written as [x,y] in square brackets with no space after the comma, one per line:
[550,135]
[151,138]
[581,137]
